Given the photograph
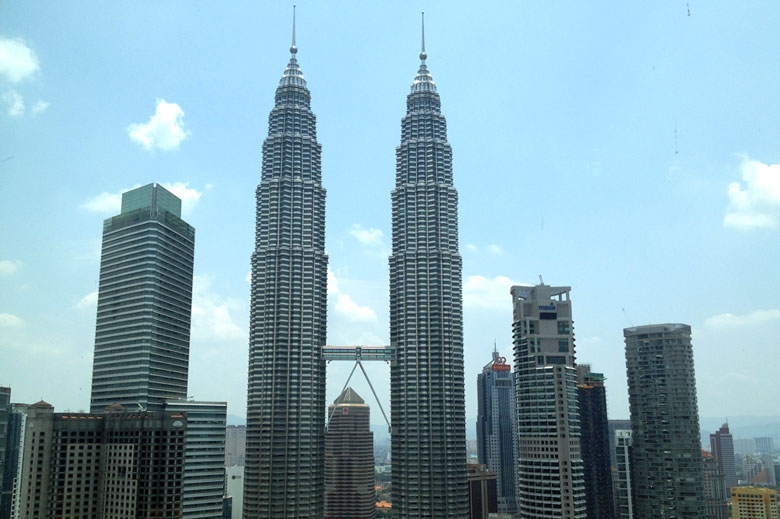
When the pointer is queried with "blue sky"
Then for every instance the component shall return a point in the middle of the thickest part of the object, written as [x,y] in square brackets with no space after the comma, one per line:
[631,152]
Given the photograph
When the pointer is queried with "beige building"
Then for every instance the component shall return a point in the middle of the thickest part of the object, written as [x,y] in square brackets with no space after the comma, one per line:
[754,503]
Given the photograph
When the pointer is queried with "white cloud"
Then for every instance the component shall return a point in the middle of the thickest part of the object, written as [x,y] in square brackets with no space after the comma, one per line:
[111,203]
[39,107]
[9,267]
[248,277]
[17,60]
[88,301]
[482,292]
[211,313]
[370,236]
[495,249]
[753,318]
[188,195]
[15,103]
[10,321]
[344,306]
[164,131]
[471,247]
[755,204]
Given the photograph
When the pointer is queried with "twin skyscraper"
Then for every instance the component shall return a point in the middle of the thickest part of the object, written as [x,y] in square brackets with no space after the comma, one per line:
[284,475]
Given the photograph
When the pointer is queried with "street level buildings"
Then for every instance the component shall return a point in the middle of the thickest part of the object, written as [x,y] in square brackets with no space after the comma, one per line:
[349,459]
[496,428]
[594,442]
[754,503]
[118,463]
[668,477]
[623,479]
[550,476]
[722,448]
[426,317]
[142,336]
[285,440]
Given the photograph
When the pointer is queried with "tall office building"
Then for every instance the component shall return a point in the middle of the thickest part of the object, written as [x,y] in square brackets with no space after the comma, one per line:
[5,414]
[349,460]
[203,480]
[285,436]
[624,475]
[235,445]
[426,317]
[117,463]
[664,421]
[142,337]
[496,428]
[715,494]
[483,493]
[751,466]
[764,444]
[594,441]
[754,503]
[550,478]
[722,446]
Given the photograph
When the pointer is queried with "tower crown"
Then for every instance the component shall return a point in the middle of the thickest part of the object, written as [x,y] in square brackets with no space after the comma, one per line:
[423,82]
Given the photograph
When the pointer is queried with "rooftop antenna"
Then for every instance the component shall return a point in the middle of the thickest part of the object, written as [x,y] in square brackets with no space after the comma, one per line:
[541,281]
[293,49]
[423,55]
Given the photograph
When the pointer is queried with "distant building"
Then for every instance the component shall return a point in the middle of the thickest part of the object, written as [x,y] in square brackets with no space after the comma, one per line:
[594,441]
[744,446]
[235,488]
[623,479]
[114,464]
[714,488]
[764,445]
[6,475]
[496,428]
[751,467]
[142,336]
[483,494]
[550,478]
[235,445]
[616,425]
[754,503]
[668,473]
[349,460]
[722,446]
[204,472]
[9,498]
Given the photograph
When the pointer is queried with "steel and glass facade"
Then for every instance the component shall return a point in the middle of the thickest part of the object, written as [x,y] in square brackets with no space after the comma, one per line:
[668,469]
[496,428]
[144,303]
[426,318]
[285,438]
[550,479]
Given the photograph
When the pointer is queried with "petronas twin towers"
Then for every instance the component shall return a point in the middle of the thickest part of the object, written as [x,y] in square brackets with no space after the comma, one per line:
[284,476]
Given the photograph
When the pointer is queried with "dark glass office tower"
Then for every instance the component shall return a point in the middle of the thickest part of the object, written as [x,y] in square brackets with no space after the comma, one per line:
[594,443]
[426,318]
[142,336]
[285,437]
[668,471]
[496,428]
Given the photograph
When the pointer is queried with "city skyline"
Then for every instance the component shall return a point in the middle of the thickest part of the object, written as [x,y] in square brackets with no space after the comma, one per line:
[48,318]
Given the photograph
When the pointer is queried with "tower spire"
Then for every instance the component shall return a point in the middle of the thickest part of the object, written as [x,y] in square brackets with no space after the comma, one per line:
[423,55]
[293,49]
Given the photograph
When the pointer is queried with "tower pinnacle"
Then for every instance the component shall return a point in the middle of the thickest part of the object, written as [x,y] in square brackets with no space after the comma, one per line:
[423,55]
[294,49]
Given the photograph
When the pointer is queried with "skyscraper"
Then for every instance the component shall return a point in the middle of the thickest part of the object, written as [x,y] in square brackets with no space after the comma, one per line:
[142,337]
[594,432]
[349,460]
[549,466]
[754,503]
[668,477]
[625,497]
[715,495]
[722,445]
[496,428]
[5,414]
[426,317]
[285,437]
